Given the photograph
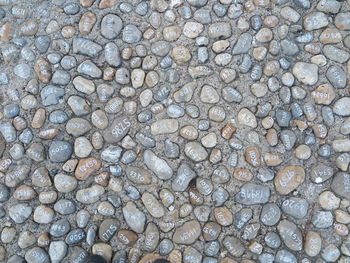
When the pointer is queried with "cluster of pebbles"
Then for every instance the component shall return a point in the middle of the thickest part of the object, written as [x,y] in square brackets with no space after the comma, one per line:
[193,130]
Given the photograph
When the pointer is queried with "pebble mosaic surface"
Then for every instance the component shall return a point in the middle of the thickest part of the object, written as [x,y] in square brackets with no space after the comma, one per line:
[214,131]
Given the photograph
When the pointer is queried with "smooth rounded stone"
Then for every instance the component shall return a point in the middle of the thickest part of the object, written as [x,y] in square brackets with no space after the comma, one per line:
[220,196]
[117,131]
[57,250]
[247,118]
[270,214]
[11,110]
[26,239]
[330,253]
[17,175]
[68,62]
[88,68]
[60,228]
[112,54]
[111,26]
[43,214]
[295,207]
[256,22]
[8,234]
[336,54]
[289,178]
[4,193]
[65,207]
[131,34]
[250,194]
[86,47]
[8,132]
[142,8]
[219,30]
[107,229]
[283,117]
[315,20]
[77,126]
[306,73]
[322,219]
[324,94]
[341,184]
[60,151]
[111,154]
[134,217]
[325,150]
[42,43]
[37,255]
[23,71]
[89,195]
[195,151]
[128,157]
[336,76]
[24,193]
[328,200]
[71,8]
[234,246]
[342,106]
[341,21]
[61,78]
[289,48]
[19,213]
[291,235]
[165,247]
[188,233]
[51,95]
[75,236]
[203,16]
[272,239]
[342,145]
[285,96]
[288,139]
[313,243]
[243,44]
[192,29]
[175,111]
[152,205]
[157,165]
[16,151]
[284,256]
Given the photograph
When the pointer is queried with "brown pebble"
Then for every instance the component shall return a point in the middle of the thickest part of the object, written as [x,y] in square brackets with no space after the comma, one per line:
[127,237]
[38,119]
[242,174]
[87,167]
[87,22]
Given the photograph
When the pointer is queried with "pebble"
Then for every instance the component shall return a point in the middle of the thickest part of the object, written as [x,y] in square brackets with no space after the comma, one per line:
[134,217]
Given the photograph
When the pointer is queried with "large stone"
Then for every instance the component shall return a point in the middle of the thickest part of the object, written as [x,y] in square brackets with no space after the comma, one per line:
[289,178]
[134,217]
[341,185]
[306,73]
[342,106]
[291,235]
[188,233]
[118,129]
[252,194]
[164,126]
[157,165]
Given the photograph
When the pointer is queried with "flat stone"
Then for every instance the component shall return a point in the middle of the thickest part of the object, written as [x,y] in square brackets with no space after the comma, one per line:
[342,106]
[251,194]
[134,217]
[89,195]
[164,126]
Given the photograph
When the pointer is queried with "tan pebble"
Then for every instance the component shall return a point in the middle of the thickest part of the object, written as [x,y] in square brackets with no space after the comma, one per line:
[6,32]
[261,3]
[323,94]
[43,239]
[82,147]
[68,31]
[330,35]
[48,197]
[328,200]
[171,33]
[246,117]
[99,119]
[102,249]
[29,102]
[24,193]
[313,48]
[217,114]
[223,216]
[273,159]
[341,230]
[320,130]
[271,68]
[152,79]
[289,178]
[259,53]
[228,131]
[108,73]
[181,54]
[189,132]
[175,256]
[209,95]
[87,22]
[264,35]
[319,60]
[192,29]
[303,152]
[256,248]
[126,53]
[267,122]
[102,178]
[38,119]
[86,3]
[19,123]
[43,70]
[313,243]
[209,140]
[87,167]
[185,210]
[195,197]
[149,34]
[137,78]
[220,46]
[215,156]
[252,156]
[106,4]
[271,21]
[242,24]
[242,174]
[302,125]
[259,89]
[227,75]
[70,165]
[342,216]
[249,6]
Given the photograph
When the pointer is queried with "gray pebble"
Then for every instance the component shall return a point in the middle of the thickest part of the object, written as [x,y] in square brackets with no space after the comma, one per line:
[202,16]
[212,248]
[128,157]
[243,44]
[175,111]
[283,117]
[165,247]
[125,7]
[75,236]
[284,256]
[58,117]
[144,116]
[270,214]
[4,78]
[68,62]
[26,136]
[220,196]
[42,43]
[295,207]
[60,151]
[60,77]
[325,150]
[322,219]
[50,95]
[132,192]
[251,194]
[60,228]
[37,255]
[11,110]
[131,34]
[142,8]
[256,22]
[146,141]
[4,193]
[71,8]
[23,71]
[8,132]
[65,207]
[336,76]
